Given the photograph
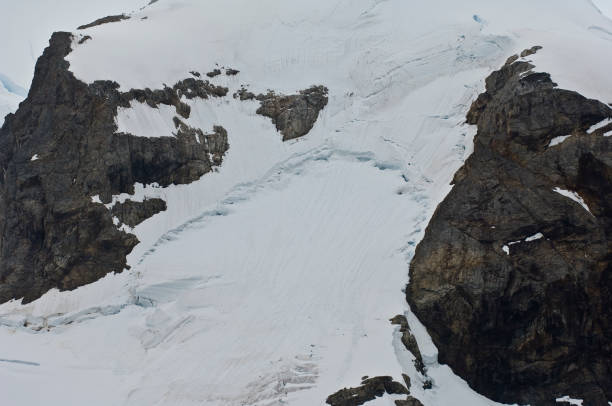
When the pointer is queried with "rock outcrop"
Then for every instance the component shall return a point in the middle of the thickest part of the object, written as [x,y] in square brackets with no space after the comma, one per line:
[409,341]
[104,20]
[513,278]
[52,235]
[293,115]
[61,152]
[133,213]
[370,389]
[213,73]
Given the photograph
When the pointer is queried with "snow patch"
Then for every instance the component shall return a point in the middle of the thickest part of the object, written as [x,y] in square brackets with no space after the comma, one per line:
[567,399]
[142,120]
[534,237]
[558,140]
[506,247]
[599,125]
[574,196]
[34,157]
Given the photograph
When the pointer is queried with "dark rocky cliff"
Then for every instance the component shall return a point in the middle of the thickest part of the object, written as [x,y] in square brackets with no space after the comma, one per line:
[58,150]
[512,279]
[61,148]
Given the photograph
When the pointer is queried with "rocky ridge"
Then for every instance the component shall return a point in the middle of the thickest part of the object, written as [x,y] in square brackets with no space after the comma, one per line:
[513,278]
[104,20]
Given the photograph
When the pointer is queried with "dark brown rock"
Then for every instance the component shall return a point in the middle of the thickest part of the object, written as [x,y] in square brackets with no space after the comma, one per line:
[231,72]
[409,341]
[407,381]
[368,390]
[203,89]
[410,401]
[104,20]
[534,324]
[512,59]
[85,38]
[213,73]
[243,94]
[51,233]
[294,115]
[133,213]
[190,88]
[530,51]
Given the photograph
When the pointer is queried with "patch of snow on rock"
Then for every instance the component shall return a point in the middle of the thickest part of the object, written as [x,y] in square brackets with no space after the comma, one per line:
[534,237]
[574,196]
[599,125]
[567,399]
[558,140]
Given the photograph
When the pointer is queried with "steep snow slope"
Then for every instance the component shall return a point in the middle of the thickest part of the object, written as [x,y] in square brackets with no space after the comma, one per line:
[272,280]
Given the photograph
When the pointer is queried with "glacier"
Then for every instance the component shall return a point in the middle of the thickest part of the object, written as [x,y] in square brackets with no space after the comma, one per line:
[272,280]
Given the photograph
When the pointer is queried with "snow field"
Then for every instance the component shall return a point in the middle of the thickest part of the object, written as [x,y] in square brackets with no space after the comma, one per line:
[272,280]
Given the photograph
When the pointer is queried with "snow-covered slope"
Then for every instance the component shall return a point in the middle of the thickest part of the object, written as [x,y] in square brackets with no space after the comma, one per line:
[25,28]
[605,6]
[272,280]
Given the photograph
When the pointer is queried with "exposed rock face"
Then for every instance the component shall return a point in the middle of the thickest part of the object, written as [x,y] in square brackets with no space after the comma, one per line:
[133,213]
[51,233]
[293,115]
[213,73]
[409,402]
[190,88]
[370,389]
[512,279]
[104,20]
